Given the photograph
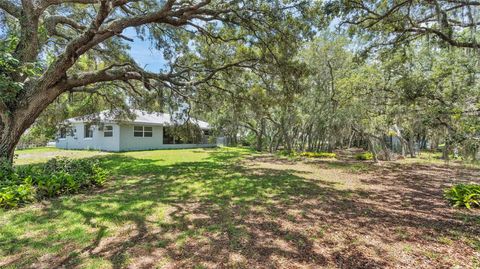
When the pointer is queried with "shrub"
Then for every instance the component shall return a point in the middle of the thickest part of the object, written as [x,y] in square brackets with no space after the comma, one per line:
[318,155]
[467,195]
[364,156]
[56,177]
[286,153]
[13,195]
[6,170]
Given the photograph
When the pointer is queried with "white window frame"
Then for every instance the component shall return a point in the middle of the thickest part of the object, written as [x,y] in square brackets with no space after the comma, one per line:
[106,131]
[143,131]
[90,129]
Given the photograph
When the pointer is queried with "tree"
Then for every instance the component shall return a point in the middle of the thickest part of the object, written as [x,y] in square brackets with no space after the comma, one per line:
[433,87]
[453,22]
[47,41]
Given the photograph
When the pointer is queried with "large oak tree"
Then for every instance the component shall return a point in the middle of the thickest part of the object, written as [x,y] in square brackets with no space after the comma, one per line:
[45,40]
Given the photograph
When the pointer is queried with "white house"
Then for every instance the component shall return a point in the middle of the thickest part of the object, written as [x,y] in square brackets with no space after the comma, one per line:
[110,133]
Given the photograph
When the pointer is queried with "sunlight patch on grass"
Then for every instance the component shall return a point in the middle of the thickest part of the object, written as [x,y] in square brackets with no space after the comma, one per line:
[96,263]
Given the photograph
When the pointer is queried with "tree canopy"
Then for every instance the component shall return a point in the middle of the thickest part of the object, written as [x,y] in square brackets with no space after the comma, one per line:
[292,75]
[53,47]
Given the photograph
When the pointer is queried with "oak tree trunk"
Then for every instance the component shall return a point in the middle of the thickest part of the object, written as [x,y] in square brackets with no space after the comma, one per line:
[10,135]
[20,119]
[371,145]
[411,147]
[7,147]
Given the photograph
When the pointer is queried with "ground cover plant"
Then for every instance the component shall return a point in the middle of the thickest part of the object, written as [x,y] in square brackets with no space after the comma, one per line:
[58,176]
[467,195]
[211,208]
[364,156]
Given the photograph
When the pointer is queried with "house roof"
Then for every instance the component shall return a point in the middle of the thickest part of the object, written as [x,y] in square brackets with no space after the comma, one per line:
[140,117]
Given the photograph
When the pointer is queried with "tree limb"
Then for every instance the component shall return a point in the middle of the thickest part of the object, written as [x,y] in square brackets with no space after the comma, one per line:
[11,8]
[51,23]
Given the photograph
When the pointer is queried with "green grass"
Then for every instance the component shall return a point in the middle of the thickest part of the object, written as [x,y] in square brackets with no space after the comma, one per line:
[183,207]
[38,150]
[428,157]
[146,185]
[43,154]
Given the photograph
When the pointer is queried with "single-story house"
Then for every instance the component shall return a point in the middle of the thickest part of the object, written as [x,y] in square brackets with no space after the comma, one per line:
[107,132]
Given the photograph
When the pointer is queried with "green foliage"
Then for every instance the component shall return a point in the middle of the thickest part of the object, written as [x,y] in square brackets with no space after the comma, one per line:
[328,155]
[464,195]
[286,153]
[10,65]
[6,169]
[38,135]
[56,177]
[16,194]
[364,156]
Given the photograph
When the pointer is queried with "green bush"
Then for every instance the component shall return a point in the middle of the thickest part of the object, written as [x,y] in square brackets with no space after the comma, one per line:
[364,156]
[318,155]
[467,195]
[16,194]
[56,177]
[286,153]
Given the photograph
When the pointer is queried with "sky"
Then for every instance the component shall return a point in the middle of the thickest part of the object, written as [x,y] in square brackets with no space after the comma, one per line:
[144,53]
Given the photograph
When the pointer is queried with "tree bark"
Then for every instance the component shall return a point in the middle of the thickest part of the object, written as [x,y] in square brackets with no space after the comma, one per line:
[386,150]
[371,145]
[446,151]
[260,134]
[7,145]
[411,147]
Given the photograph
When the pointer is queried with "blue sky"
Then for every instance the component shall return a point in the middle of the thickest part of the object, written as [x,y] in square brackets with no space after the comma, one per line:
[144,53]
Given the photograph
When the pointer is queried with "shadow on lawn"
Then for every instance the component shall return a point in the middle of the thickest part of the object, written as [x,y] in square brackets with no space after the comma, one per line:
[222,213]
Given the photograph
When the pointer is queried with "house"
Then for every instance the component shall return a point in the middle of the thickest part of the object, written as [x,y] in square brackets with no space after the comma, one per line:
[109,132]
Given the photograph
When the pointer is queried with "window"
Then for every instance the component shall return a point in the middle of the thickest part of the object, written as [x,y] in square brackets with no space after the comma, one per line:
[108,131]
[88,131]
[138,131]
[147,131]
[63,132]
[142,131]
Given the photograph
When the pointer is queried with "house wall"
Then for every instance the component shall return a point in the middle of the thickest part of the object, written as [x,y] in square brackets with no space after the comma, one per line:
[108,143]
[130,142]
[97,142]
[122,140]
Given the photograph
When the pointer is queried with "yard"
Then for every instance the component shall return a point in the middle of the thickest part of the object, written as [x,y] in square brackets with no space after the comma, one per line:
[232,208]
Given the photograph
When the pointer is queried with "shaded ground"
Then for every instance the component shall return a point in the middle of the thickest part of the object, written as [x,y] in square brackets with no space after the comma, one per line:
[231,209]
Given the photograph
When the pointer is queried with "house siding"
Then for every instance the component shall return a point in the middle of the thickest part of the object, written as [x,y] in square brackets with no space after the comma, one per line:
[96,142]
[130,142]
[122,140]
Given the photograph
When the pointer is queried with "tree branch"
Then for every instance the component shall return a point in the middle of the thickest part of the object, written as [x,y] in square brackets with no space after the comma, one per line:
[51,23]
[11,8]
[46,3]
[409,17]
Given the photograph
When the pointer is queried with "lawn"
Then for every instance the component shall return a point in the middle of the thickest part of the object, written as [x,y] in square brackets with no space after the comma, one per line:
[232,208]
